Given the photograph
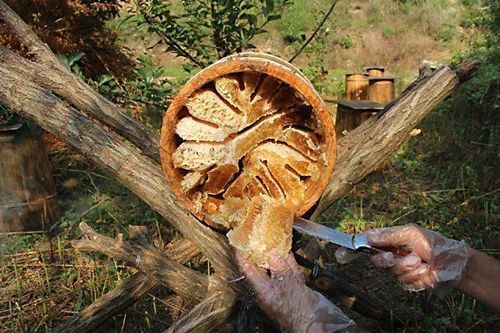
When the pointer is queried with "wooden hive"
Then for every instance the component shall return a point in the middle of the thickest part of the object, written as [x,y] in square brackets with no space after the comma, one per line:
[351,114]
[373,71]
[381,89]
[249,125]
[27,192]
[356,86]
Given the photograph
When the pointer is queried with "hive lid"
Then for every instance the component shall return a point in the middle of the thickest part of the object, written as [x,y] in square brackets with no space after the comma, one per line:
[360,104]
[381,78]
[367,68]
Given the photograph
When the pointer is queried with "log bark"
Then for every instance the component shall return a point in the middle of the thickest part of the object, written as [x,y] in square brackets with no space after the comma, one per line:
[123,296]
[207,315]
[50,73]
[147,259]
[375,141]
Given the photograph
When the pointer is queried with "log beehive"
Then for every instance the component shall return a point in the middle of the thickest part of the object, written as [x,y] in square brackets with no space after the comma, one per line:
[381,89]
[27,192]
[250,125]
[374,71]
[356,86]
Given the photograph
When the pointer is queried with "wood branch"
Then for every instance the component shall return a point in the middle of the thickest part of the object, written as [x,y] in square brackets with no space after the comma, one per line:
[114,302]
[50,73]
[207,315]
[123,296]
[149,260]
[137,172]
[364,149]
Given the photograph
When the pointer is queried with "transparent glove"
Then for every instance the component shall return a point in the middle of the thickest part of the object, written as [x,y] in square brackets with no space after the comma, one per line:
[433,260]
[285,298]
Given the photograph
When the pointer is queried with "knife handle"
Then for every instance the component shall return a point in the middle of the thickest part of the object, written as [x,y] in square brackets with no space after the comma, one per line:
[397,251]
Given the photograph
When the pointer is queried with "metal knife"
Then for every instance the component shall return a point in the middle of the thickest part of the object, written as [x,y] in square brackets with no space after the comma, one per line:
[352,242]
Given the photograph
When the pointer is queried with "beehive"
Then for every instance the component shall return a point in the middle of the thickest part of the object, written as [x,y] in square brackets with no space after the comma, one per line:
[249,125]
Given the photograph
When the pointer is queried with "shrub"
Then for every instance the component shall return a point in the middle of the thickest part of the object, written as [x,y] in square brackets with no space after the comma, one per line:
[205,30]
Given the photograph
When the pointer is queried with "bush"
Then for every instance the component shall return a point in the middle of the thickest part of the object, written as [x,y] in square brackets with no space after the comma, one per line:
[205,30]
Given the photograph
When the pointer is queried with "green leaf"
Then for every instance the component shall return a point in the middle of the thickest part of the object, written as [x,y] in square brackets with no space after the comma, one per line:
[270,5]
[252,19]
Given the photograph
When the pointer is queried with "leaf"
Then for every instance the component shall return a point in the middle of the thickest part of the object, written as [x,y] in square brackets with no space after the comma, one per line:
[270,5]
[252,19]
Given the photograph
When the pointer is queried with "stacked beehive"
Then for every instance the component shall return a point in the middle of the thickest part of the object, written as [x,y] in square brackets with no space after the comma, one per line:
[366,93]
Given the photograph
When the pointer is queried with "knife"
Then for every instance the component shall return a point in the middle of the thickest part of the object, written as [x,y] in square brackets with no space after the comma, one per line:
[352,242]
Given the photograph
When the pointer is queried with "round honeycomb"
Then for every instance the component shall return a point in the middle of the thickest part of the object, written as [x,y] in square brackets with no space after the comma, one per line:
[242,129]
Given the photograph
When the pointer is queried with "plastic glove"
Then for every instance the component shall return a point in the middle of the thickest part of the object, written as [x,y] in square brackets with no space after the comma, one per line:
[434,259]
[285,298]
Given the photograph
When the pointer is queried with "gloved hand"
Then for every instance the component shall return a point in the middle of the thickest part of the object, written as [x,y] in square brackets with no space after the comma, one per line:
[285,298]
[433,259]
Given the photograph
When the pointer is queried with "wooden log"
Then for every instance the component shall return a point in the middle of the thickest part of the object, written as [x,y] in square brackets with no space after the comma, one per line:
[374,142]
[208,314]
[351,114]
[146,258]
[259,98]
[356,86]
[54,76]
[28,200]
[123,296]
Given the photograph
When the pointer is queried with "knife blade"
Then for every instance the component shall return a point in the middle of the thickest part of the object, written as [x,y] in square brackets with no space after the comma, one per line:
[352,242]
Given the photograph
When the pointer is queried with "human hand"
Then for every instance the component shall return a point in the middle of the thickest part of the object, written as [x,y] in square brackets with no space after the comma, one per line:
[285,298]
[433,259]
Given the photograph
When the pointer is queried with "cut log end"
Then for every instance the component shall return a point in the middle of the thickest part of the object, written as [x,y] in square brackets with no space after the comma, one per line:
[466,69]
[247,132]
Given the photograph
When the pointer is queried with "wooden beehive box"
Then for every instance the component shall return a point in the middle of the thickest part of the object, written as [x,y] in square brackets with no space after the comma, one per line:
[374,71]
[250,124]
[28,200]
[381,89]
[351,114]
[356,86]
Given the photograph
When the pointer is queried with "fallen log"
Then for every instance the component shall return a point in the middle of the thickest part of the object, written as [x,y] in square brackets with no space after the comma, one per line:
[147,259]
[125,295]
[208,314]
